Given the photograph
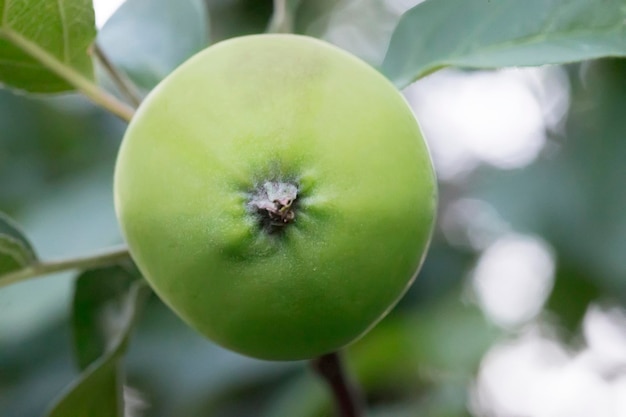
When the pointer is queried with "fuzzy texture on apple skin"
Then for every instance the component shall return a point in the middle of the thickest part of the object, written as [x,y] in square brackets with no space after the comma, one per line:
[276,108]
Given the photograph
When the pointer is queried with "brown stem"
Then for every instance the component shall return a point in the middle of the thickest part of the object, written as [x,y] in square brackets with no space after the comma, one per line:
[123,83]
[348,399]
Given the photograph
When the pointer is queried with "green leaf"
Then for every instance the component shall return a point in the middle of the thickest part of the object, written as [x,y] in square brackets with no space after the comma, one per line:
[16,252]
[98,390]
[149,38]
[98,311]
[500,33]
[571,296]
[98,393]
[39,39]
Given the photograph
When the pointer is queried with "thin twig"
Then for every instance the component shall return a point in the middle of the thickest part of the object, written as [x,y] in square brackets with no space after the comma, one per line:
[348,399]
[122,82]
[110,257]
[282,17]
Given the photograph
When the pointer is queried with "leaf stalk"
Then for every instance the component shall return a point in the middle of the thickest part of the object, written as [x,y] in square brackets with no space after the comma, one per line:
[38,269]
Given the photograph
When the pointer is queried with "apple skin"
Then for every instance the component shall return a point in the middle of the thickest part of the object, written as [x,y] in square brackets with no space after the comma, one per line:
[276,108]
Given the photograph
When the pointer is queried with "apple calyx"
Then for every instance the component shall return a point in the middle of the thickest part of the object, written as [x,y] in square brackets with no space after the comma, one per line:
[274,204]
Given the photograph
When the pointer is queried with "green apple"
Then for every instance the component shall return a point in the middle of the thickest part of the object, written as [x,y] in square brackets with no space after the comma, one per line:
[277,194]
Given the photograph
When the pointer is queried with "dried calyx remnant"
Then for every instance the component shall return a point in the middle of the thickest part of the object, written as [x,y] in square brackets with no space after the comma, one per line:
[274,203]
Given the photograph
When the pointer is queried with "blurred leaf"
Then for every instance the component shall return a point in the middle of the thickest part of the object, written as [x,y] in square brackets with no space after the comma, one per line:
[386,355]
[98,393]
[446,400]
[571,295]
[304,396]
[98,390]
[573,196]
[16,252]
[313,15]
[36,35]
[499,33]
[245,398]
[443,271]
[451,336]
[362,27]
[398,410]
[34,369]
[99,311]
[148,39]
[230,18]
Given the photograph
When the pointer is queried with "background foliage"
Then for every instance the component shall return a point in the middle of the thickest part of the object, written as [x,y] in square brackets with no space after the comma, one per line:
[56,163]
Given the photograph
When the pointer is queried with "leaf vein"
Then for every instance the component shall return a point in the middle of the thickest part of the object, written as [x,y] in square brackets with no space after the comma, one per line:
[5,12]
[539,37]
[65,32]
